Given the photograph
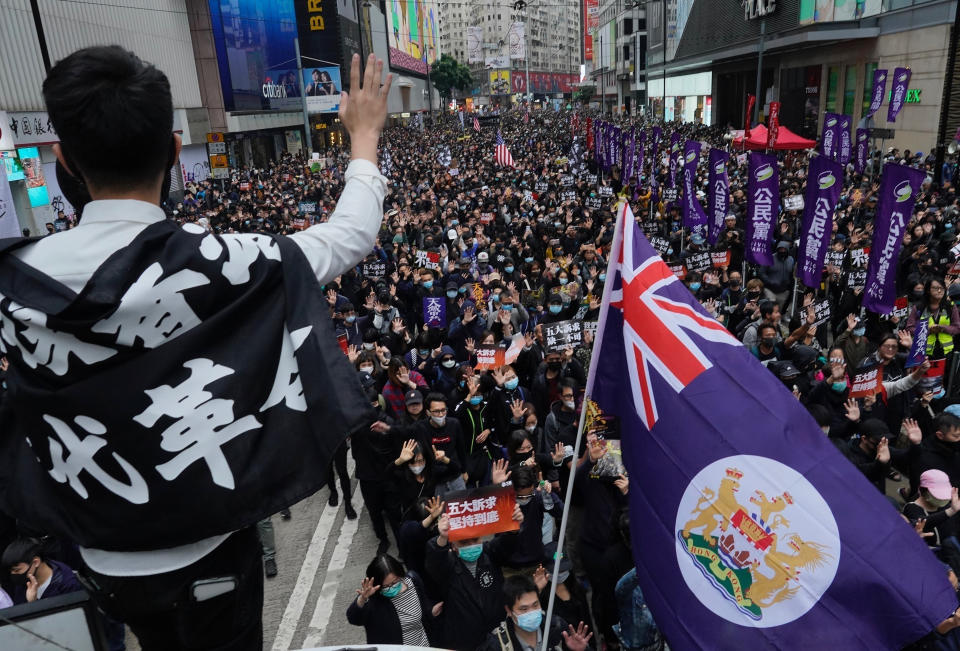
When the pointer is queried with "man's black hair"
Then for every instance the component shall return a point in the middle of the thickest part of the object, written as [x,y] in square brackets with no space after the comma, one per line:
[113,114]
[434,396]
[515,587]
[524,477]
[383,565]
[946,422]
[21,550]
[766,308]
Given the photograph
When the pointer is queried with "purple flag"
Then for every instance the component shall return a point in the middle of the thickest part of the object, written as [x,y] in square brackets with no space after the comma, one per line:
[693,216]
[863,150]
[611,142]
[598,142]
[655,151]
[435,311]
[629,155]
[828,141]
[898,188]
[805,553]
[719,192]
[879,88]
[640,161]
[898,93]
[824,182]
[763,204]
[918,350]
[675,155]
[843,129]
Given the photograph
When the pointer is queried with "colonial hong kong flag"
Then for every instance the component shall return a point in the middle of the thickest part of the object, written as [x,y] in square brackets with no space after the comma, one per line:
[501,153]
[750,529]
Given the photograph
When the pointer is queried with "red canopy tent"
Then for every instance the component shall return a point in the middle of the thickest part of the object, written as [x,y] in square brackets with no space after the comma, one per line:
[786,139]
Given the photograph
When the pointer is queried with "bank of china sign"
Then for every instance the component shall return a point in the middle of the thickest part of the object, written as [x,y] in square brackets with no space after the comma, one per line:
[758,8]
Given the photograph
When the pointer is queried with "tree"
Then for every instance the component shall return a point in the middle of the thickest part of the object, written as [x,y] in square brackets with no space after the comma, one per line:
[584,94]
[447,74]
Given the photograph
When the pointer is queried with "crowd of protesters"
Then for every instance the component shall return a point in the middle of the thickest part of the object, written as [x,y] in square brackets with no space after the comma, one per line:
[508,252]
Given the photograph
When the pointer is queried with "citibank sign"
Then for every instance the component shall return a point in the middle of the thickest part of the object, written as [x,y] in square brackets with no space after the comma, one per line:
[758,8]
[273,91]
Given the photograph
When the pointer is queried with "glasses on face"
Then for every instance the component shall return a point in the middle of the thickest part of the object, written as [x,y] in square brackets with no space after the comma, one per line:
[438,412]
[935,288]
[889,346]
[388,587]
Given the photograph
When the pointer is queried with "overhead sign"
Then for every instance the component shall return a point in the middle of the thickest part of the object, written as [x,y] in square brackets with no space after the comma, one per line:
[758,8]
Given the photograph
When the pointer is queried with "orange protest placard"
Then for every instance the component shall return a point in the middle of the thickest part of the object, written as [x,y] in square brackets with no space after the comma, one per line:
[866,383]
[481,511]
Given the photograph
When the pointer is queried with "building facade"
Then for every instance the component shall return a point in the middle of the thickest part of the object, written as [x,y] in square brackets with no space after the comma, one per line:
[618,65]
[818,57]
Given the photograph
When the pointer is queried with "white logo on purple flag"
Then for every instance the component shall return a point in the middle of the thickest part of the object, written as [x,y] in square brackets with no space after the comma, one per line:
[756,543]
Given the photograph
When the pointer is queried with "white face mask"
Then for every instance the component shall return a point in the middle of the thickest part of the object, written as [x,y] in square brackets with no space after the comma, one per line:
[439,420]
[417,469]
[530,428]
[366,369]
[369,346]
[569,404]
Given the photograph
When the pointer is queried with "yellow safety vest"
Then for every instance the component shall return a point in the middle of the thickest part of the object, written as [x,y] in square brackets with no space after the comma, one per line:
[945,339]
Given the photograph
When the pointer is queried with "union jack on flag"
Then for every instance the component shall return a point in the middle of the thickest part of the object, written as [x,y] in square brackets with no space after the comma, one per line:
[656,328]
[501,153]
[476,124]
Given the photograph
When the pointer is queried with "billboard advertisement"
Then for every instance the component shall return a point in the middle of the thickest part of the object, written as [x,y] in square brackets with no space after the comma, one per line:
[412,34]
[34,177]
[321,46]
[499,82]
[254,43]
[322,87]
[591,11]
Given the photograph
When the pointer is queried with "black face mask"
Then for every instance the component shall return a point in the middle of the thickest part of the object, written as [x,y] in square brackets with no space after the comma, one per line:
[769,342]
[753,295]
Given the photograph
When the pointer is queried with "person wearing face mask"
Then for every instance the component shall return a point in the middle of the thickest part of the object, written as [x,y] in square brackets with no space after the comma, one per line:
[546,386]
[34,576]
[937,503]
[443,437]
[471,571]
[768,347]
[393,607]
[555,310]
[414,476]
[508,400]
[541,513]
[476,420]
[942,450]
[349,325]
[942,317]
[440,371]
[522,452]
[871,453]
[778,277]
[524,626]
[853,341]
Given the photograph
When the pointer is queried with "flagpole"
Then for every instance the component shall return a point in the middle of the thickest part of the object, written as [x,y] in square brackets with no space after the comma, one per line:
[598,337]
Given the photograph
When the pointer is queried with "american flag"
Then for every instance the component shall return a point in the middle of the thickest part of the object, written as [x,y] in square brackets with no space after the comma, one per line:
[502,154]
[476,124]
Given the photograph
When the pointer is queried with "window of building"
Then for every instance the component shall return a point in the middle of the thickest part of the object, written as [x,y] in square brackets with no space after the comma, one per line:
[849,90]
[833,84]
[868,71]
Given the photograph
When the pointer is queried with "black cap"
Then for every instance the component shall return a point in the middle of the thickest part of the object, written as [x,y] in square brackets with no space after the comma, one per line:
[413,397]
[874,429]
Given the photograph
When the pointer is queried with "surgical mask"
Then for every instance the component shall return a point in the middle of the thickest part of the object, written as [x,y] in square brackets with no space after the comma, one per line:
[564,281]
[523,500]
[470,553]
[369,346]
[438,420]
[531,621]
[934,502]
[507,308]
[569,404]
[694,287]
[392,591]
[428,284]
[528,260]
[452,293]
[366,369]
[508,269]
[838,386]
[417,469]
[476,400]
[531,428]
[555,309]
[462,290]
[351,318]
[859,332]
[511,384]
[562,577]
[602,277]
[448,363]
[939,394]
[424,352]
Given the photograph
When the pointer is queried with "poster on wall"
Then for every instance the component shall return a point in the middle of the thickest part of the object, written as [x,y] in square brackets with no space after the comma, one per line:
[250,54]
[322,87]
[499,82]
[194,163]
[591,13]
[412,34]
[33,176]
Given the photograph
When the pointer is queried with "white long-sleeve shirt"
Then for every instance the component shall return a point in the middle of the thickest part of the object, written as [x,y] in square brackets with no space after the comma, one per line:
[71,257]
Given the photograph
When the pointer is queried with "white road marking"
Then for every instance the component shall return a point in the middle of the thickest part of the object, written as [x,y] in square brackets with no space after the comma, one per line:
[331,583]
[308,571]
